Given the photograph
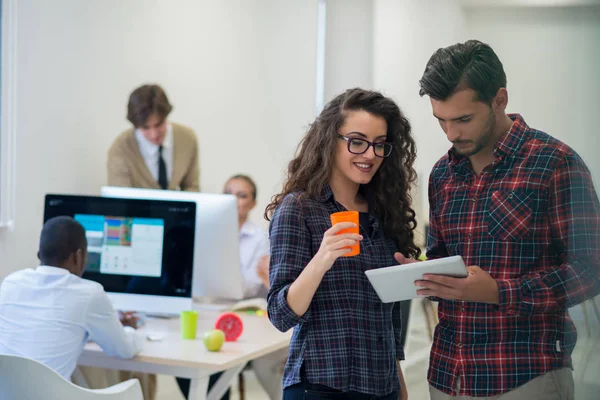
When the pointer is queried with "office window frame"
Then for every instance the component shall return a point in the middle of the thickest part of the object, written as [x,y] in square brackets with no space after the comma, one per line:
[8,85]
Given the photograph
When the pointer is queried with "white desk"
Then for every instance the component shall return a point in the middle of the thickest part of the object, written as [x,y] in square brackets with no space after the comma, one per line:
[189,358]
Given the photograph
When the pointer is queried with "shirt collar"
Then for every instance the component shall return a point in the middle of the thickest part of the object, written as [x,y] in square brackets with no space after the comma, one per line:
[247,229]
[326,194]
[508,144]
[149,148]
[46,269]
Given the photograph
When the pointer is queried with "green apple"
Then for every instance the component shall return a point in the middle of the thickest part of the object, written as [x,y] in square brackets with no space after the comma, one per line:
[213,340]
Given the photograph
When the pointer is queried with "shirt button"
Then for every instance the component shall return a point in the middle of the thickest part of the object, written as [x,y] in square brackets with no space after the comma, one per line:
[511,311]
[469,235]
[474,199]
[462,309]
[459,345]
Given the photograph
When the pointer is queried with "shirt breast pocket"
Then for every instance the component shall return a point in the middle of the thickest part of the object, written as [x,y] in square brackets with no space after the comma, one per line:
[511,213]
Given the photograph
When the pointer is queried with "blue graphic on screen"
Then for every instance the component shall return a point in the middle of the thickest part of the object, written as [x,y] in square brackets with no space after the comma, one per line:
[123,245]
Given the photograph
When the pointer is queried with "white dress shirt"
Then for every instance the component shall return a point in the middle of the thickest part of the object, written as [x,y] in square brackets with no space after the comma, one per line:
[254,243]
[149,152]
[47,314]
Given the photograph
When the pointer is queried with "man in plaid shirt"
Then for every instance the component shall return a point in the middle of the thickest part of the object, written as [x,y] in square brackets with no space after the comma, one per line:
[520,207]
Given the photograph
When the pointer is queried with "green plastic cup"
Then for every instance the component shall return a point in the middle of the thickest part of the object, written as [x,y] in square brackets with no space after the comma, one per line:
[189,321]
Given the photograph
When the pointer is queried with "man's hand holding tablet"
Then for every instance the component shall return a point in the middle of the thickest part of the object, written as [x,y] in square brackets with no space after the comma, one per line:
[397,282]
[478,286]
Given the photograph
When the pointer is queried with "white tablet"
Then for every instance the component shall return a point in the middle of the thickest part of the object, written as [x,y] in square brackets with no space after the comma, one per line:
[397,283]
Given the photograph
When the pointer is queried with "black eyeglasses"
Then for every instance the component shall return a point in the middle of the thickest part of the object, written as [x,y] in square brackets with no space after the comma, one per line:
[360,146]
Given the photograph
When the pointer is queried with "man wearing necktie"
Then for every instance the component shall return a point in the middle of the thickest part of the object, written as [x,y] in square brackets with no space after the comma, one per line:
[155,153]
[162,170]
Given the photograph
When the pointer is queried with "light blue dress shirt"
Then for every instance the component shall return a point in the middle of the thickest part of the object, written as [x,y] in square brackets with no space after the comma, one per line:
[47,314]
[254,243]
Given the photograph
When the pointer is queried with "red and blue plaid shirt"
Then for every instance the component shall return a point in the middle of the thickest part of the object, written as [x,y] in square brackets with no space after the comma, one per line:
[348,339]
[531,220]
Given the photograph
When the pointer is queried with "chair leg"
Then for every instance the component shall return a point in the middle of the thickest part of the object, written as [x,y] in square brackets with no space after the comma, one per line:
[242,386]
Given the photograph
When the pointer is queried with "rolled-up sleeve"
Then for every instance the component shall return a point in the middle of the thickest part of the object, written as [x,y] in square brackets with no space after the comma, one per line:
[290,253]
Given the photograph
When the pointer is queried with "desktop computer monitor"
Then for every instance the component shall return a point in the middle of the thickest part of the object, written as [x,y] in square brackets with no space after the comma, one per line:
[140,251]
[217,269]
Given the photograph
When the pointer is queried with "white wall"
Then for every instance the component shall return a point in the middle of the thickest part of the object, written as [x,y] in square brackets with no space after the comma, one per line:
[406,33]
[240,73]
[349,46]
[551,56]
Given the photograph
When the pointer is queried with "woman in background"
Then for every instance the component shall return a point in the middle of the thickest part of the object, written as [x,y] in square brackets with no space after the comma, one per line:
[254,243]
[254,261]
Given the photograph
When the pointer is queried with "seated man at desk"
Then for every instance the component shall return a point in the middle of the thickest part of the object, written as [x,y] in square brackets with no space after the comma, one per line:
[47,313]
[155,153]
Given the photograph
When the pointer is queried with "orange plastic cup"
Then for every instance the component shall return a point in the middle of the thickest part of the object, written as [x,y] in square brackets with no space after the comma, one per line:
[348,216]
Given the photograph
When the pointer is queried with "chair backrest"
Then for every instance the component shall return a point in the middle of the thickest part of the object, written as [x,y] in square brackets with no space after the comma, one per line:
[26,379]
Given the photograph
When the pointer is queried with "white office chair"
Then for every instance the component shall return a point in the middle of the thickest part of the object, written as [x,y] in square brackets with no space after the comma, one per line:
[25,379]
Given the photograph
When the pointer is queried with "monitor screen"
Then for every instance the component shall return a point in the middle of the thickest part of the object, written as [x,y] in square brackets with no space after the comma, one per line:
[124,245]
[134,246]
[217,271]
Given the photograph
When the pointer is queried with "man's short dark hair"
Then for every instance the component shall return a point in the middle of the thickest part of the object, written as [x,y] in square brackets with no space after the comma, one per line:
[469,65]
[60,238]
[145,101]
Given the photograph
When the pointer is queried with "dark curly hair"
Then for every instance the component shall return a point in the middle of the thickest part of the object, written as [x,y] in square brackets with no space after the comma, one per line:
[389,189]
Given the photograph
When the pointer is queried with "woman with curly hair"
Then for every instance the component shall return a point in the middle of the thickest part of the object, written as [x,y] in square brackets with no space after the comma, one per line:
[357,155]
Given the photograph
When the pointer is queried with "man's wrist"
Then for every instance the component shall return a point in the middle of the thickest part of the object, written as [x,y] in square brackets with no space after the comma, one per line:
[495,293]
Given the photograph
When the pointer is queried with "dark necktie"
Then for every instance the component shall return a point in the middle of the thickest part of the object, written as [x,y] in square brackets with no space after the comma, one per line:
[162,169]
